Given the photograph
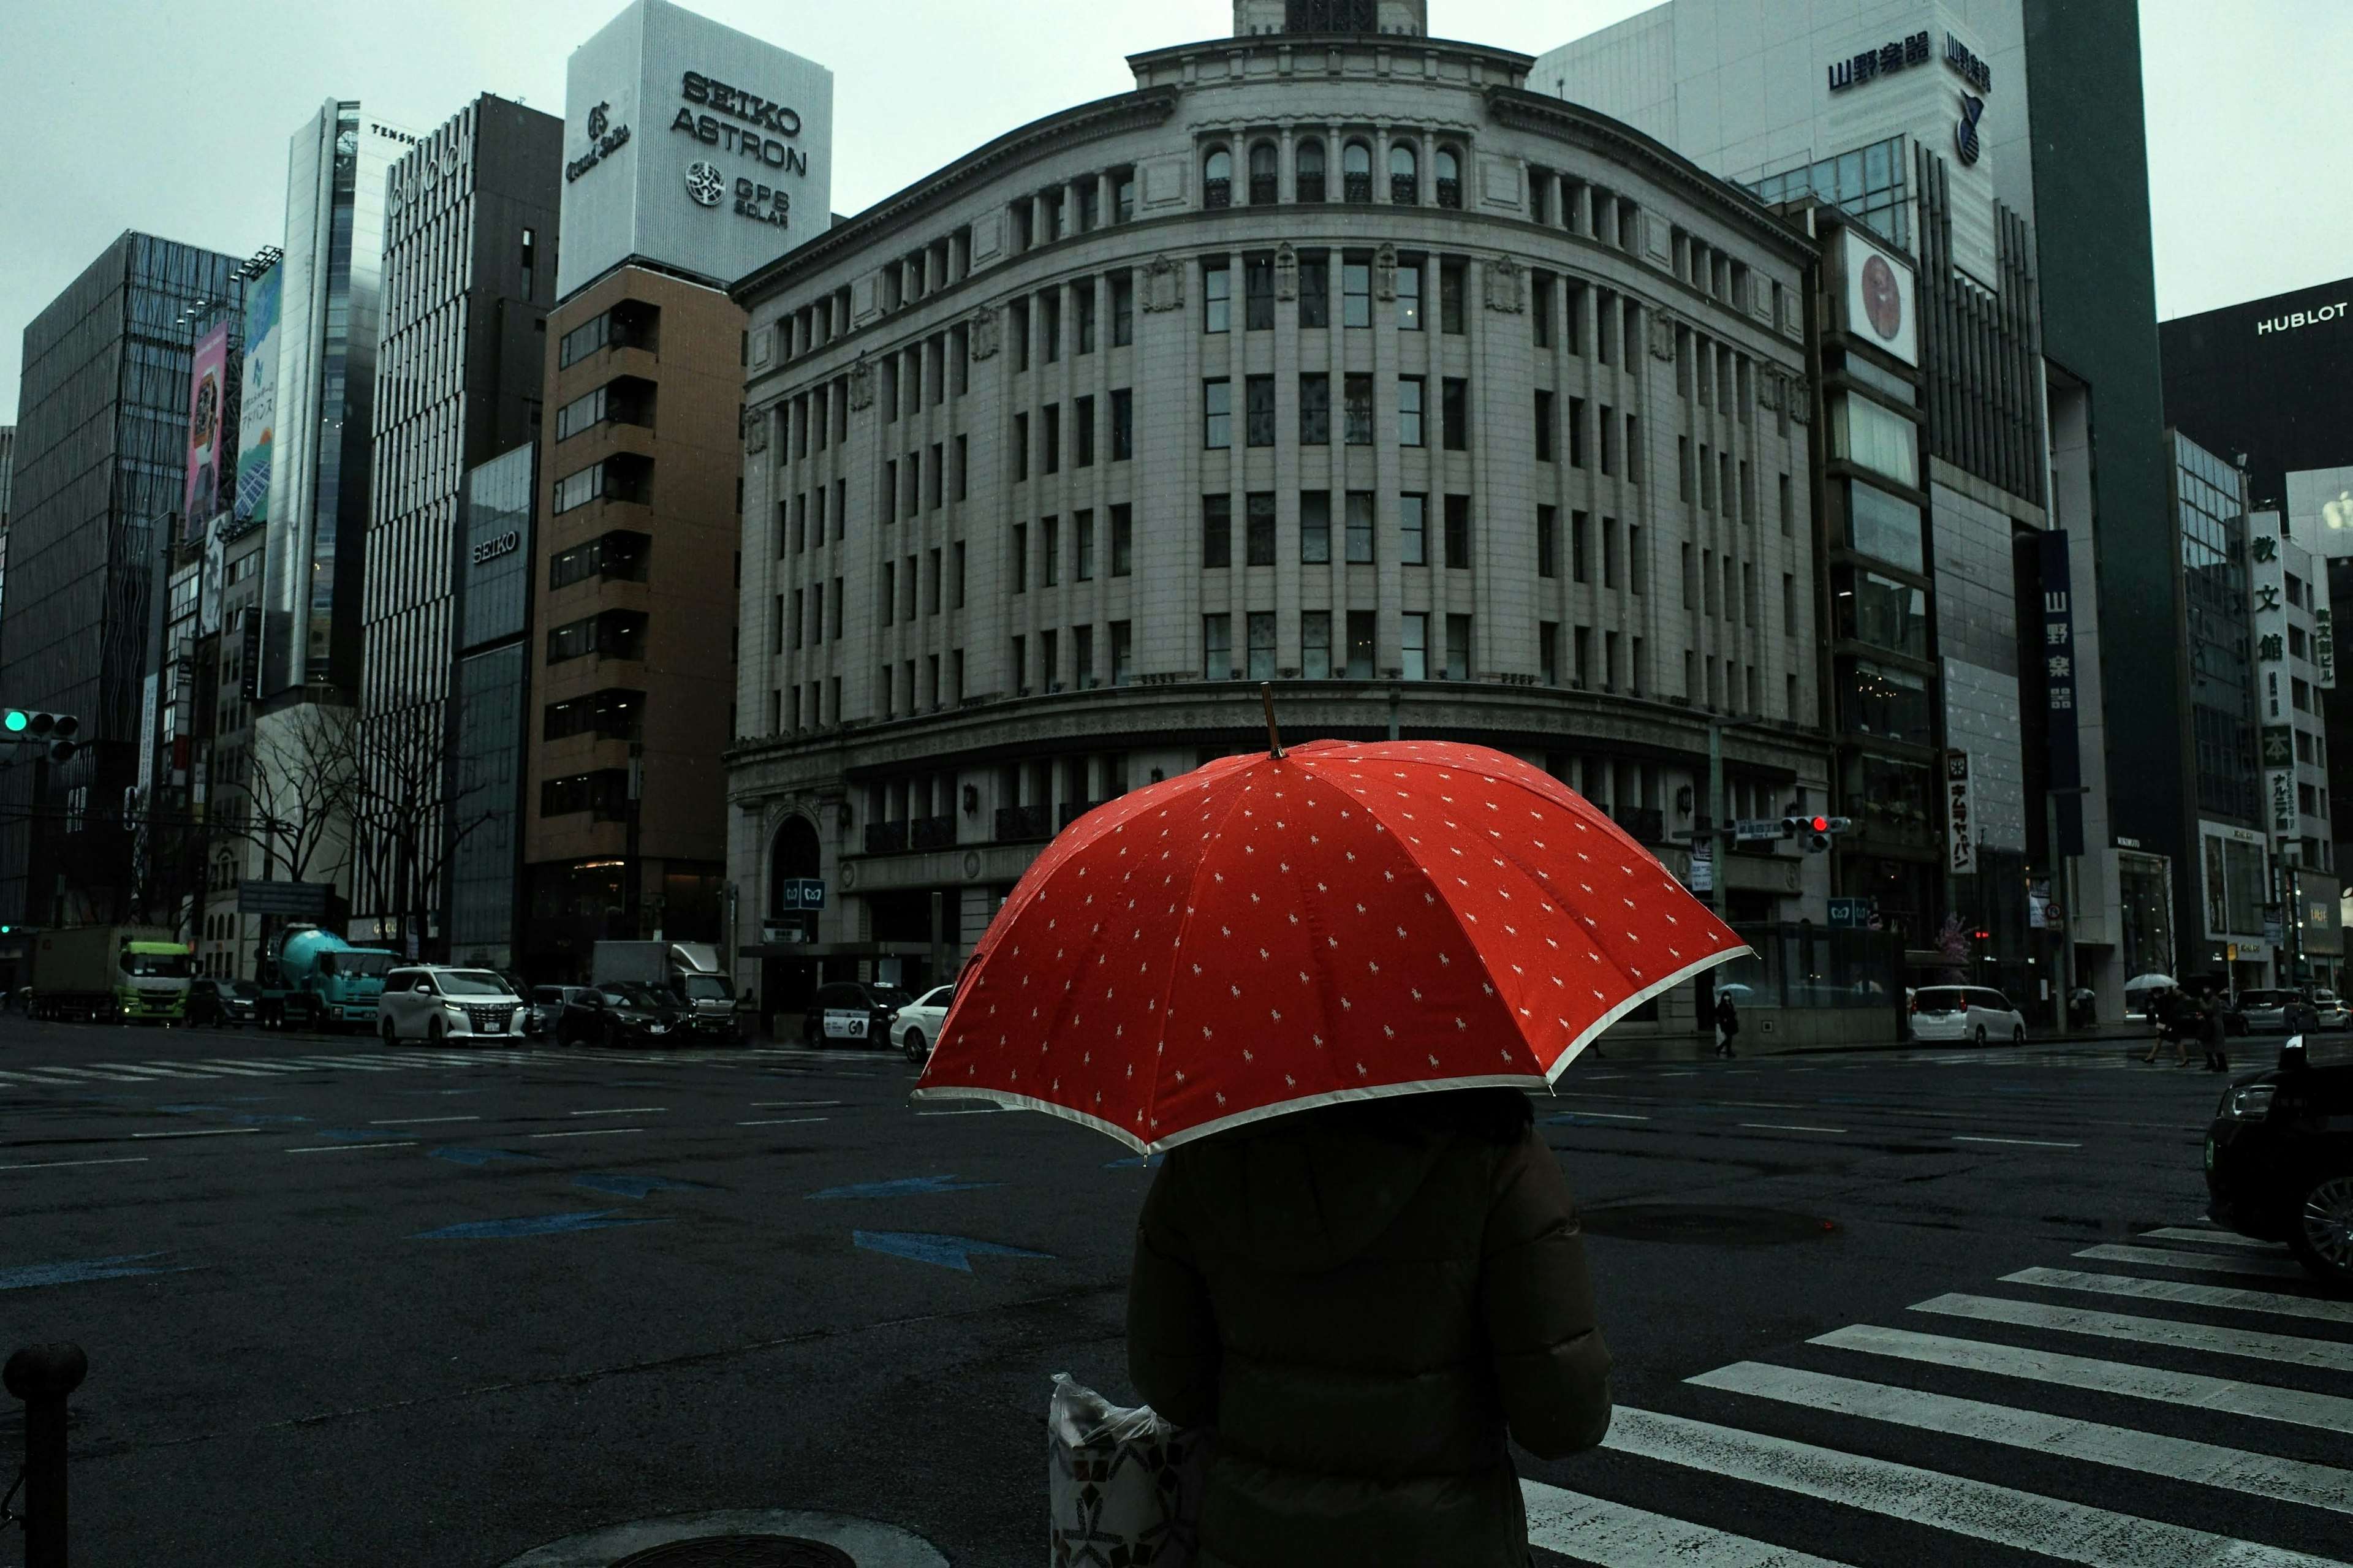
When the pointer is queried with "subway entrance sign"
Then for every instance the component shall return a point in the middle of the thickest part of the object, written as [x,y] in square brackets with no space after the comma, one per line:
[801,893]
[1849,914]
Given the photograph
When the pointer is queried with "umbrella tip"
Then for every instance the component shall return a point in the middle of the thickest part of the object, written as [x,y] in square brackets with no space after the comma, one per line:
[1273,736]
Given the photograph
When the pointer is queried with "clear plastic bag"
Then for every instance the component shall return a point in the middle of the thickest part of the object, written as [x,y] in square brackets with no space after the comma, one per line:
[1125,1484]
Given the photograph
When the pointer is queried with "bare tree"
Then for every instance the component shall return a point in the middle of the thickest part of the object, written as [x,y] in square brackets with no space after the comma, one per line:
[409,814]
[304,775]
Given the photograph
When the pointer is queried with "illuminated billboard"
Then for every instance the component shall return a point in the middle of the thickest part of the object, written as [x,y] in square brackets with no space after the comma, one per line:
[690,145]
[208,450]
[257,414]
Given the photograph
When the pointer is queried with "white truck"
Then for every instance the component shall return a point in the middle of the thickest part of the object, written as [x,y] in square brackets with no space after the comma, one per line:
[690,969]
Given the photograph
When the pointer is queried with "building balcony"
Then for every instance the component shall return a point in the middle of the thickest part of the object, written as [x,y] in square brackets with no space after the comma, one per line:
[886,837]
[1646,824]
[932,832]
[1022,823]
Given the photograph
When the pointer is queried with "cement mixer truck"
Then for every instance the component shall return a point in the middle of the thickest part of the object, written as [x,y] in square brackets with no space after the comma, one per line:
[314,979]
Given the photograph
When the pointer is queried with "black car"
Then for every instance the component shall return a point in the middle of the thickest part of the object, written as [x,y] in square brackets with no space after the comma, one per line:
[623,1014]
[852,1013]
[222,1002]
[2279,1158]
[547,1008]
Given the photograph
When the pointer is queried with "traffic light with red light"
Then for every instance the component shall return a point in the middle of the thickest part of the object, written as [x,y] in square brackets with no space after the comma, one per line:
[1817,831]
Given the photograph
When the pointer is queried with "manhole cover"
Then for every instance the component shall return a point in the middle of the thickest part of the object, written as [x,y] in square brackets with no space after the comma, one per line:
[740,1551]
[1725,1226]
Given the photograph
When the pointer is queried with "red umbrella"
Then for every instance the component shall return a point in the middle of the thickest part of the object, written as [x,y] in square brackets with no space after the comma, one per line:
[1281,930]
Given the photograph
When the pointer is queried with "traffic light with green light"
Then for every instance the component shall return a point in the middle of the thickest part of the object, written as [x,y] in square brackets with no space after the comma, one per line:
[31,726]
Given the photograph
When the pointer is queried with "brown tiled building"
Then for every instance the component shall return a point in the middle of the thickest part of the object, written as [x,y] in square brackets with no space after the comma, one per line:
[634,684]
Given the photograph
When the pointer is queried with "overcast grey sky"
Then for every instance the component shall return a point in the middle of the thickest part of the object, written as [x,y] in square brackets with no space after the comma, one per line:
[174,119]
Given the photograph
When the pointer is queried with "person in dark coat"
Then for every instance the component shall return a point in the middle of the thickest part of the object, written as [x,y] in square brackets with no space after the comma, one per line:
[2210,1034]
[1363,1301]
[2169,1010]
[1727,1023]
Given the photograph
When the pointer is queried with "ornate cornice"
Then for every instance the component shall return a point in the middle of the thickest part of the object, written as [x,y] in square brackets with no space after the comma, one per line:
[1573,122]
[1137,111]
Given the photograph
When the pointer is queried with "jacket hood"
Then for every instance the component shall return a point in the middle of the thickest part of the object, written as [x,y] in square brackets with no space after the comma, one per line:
[1306,1192]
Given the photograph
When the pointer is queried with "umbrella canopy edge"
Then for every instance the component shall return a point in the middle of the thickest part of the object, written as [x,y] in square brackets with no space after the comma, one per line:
[1657,988]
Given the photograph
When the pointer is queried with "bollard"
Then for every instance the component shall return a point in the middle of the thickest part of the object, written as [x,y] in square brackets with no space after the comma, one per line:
[42,1376]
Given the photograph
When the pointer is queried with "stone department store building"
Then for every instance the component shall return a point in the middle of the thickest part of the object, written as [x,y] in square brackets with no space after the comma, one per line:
[1338,360]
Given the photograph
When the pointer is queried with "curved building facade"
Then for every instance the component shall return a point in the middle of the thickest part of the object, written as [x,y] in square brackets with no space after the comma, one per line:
[1338,360]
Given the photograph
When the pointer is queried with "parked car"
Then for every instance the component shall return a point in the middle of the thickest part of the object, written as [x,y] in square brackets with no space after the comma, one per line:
[852,1013]
[1972,1012]
[2265,1012]
[436,1003]
[2279,1155]
[623,1014]
[915,1028]
[222,1002]
[547,1006]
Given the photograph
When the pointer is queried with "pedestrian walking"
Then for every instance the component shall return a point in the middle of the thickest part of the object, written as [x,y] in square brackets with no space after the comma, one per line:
[1358,1267]
[1727,1023]
[1363,1301]
[2167,1009]
[2211,1034]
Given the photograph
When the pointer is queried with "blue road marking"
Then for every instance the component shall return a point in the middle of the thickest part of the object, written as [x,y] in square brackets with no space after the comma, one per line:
[480,1156]
[1134,1162]
[532,1224]
[904,1187]
[123,1266]
[948,1251]
[178,1110]
[621,1186]
[253,1121]
[351,1135]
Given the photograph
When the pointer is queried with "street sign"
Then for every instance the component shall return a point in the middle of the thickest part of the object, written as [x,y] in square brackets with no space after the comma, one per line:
[801,893]
[1849,914]
[303,900]
[1756,829]
[1702,874]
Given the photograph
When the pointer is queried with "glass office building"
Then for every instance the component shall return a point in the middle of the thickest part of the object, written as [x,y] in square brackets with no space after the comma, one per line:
[490,701]
[99,466]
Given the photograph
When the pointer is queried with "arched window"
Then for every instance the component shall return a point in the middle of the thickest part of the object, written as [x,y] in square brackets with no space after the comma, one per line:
[1218,179]
[1405,186]
[1308,177]
[1264,161]
[792,860]
[1449,178]
[1357,173]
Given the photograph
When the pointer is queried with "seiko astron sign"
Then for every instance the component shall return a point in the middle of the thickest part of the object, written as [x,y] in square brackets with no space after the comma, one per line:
[690,145]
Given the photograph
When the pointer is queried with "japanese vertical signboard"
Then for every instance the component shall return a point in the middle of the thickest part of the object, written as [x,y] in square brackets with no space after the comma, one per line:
[209,450]
[2267,582]
[2059,688]
[1960,831]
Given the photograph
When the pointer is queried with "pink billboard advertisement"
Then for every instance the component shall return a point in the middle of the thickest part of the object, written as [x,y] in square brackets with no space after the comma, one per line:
[209,447]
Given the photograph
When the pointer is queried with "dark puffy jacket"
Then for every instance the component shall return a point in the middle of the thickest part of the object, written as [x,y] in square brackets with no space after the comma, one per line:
[1361,1299]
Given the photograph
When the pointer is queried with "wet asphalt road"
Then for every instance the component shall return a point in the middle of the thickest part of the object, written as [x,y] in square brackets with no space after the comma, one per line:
[344,1304]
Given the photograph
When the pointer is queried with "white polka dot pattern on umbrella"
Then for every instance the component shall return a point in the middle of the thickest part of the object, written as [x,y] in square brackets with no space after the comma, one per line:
[1263,933]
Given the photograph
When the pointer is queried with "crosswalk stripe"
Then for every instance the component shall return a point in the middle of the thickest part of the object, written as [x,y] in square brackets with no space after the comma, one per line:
[2211,1238]
[217,1069]
[2274,1301]
[76,1074]
[2334,1355]
[1616,1536]
[2327,1411]
[34,1076]
[140,1071]
[265,1064]
[2070,1531]
[2197,1262]
[2178,1458]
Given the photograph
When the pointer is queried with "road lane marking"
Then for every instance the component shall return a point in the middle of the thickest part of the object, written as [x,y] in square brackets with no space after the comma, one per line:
[2195,1262]
[783,1122]
[419,1121]
[2094,1442]
[1602,1116]
[623,1110]
[200,1132]
[2293,1350]
[280,1066]
[2265,1402]
[2023,1143]
[792,1104]
[83,1271]
[330,1148]
[54,1164]
[2070,1531]
[78,1075]
[216,1069]
[2214,1238]
[1613,1535]
[588,1132]
[146,1071]
[1787,1127]
[2274,1301]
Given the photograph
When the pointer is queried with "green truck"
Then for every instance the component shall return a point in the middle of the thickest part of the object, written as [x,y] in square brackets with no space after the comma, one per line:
[130,975]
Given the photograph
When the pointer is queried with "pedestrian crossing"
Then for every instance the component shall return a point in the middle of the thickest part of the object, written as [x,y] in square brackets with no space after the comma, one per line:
[2222,1409]
[402,1060]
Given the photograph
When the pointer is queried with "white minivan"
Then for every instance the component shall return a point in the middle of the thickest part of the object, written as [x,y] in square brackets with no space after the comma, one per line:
[1972,1012]
[429,1002]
